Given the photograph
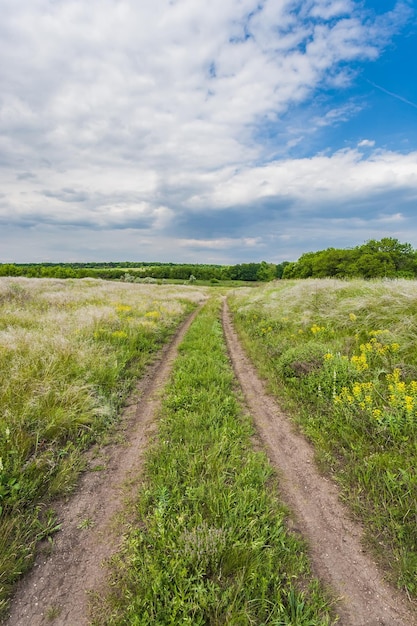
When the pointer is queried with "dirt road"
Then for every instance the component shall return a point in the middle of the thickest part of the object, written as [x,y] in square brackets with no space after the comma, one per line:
[55,591]
[334,539]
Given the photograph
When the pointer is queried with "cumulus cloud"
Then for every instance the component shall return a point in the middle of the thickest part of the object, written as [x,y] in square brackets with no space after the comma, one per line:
[155,121]
[309,181]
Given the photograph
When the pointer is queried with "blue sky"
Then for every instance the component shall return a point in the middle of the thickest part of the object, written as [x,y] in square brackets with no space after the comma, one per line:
[220,132]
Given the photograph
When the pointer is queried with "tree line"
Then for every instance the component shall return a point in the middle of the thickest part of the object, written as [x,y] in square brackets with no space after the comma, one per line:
[138,271]
[387,257]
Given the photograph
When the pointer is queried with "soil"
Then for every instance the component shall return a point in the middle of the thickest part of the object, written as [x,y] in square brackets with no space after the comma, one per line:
[335,541]
[56,590]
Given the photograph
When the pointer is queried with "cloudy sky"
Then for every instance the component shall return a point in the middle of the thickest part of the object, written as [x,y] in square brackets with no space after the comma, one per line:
[223,131]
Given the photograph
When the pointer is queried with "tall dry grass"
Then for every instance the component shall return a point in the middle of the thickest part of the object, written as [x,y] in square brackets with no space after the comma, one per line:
[69,354]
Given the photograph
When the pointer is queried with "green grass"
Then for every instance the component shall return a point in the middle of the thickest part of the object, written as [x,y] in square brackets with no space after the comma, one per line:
[342,357]
[209,543]
[70,352]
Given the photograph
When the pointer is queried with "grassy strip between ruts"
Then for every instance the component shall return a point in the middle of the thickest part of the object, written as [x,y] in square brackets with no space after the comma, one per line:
[342,357]
[69,354]
[209,545]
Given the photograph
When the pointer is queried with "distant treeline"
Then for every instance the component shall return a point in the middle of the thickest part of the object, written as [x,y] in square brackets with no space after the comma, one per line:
[141,271]
[374,259]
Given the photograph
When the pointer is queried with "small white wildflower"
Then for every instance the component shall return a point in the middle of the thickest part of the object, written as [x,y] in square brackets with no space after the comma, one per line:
[334,384]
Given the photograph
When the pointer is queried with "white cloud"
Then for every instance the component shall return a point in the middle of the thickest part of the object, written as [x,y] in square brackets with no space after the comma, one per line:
[136,78]
[334,116]
[392,219]
[225,243]
[141,116]
[328,9]
[366,143]
[312,180]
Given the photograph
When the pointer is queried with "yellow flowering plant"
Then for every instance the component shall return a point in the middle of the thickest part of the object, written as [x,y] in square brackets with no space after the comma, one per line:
[390,401]
[347,360]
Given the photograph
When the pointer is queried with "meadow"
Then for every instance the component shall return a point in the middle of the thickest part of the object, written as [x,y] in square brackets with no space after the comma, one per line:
[70,353]
[341,356]
[208,540]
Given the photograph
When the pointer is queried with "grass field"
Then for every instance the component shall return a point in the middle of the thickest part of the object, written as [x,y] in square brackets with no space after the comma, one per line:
[209,543]
[342,357]
[70,352]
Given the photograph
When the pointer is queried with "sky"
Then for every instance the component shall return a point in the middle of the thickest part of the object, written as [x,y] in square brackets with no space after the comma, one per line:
[226,131]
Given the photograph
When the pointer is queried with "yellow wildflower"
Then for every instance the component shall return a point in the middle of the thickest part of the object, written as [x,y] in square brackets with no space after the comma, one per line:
[365,347]
[360,362]
[317,329]
[123,308]
[408,403]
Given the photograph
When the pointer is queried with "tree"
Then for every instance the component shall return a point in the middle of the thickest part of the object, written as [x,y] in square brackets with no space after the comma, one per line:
[373,259]
[266,272]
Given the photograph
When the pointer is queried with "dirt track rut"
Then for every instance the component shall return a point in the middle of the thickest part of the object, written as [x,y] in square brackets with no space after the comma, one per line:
[58,584]
[335,540]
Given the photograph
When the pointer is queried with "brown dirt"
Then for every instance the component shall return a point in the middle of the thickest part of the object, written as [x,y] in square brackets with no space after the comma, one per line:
[56,589]
[335,541]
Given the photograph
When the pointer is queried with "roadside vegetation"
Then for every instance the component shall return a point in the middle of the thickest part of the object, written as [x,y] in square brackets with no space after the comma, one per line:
[70,352]
[209,543]
[342,357]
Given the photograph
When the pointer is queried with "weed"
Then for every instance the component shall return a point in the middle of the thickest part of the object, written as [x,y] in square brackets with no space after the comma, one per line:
[53,612]
[85,524]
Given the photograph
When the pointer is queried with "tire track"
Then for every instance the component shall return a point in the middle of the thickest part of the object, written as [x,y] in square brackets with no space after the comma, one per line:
[56,589]
[338,558]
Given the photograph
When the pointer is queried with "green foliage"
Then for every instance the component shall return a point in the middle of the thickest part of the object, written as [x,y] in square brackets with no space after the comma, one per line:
[386,258]
[344,357]
[209,545]
[141,272]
